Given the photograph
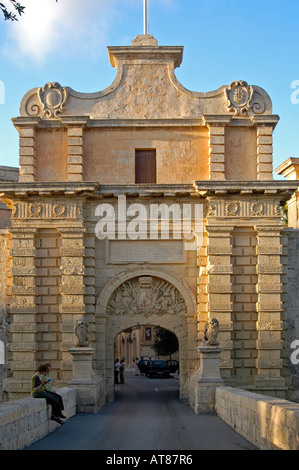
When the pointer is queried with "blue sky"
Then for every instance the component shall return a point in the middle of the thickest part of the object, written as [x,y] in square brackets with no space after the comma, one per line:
[224,40]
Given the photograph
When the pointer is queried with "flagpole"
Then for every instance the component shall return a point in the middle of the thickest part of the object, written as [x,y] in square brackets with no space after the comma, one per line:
[144,16]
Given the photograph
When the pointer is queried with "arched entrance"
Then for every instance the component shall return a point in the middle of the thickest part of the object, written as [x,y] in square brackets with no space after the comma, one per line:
[141,297]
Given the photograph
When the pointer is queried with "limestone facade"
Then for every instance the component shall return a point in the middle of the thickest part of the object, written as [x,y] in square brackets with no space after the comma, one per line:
[214,151]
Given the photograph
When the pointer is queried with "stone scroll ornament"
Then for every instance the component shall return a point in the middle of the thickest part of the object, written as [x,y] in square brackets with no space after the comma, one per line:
[244,99]
[146,295]
[82,333]
[211,331]
[53,97]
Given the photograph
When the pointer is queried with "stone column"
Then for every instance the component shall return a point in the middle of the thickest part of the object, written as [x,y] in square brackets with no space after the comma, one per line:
[270,308]
[72,305]
[23,329]
[219,270]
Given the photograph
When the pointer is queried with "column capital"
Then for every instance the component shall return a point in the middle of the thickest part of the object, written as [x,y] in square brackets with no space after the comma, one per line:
[219,229]
[216,121]
[267,229]
[67,232]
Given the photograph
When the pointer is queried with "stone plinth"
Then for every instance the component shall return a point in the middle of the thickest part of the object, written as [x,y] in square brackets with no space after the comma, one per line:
[88,383]
[206,380]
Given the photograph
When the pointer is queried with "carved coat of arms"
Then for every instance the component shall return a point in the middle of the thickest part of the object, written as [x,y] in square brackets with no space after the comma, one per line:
[146,295]
[239,95]
[53,97]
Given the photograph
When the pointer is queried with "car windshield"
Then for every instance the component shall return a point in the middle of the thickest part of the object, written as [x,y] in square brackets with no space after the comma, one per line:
[159,362]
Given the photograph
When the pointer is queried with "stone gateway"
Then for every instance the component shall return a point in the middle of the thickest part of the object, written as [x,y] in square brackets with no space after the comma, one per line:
[66,293]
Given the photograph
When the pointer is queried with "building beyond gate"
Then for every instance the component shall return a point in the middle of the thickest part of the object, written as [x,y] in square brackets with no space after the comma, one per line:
[116,156]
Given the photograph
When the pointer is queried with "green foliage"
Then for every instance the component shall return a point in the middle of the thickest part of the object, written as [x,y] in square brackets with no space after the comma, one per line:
[165,343]
[18,9]
[10,15]
[284,214]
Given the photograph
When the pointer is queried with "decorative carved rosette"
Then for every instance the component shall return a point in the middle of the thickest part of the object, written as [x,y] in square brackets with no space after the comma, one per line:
[34,210]
[53,97]
[256,209]
[232,208]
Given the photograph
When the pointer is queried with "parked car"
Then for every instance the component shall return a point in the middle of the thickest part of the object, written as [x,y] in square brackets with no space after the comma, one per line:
[173,366]
[158,367]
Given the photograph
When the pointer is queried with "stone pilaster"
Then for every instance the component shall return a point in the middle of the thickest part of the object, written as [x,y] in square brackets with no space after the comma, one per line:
[75,129]
[219,270]
[27,154]
[72,305]
[23,329]
[269,307]
[290,170]
[75,154]
[216,146]
[264,153]
[216,153]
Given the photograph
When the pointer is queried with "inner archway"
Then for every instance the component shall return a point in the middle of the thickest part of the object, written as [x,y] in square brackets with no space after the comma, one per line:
[142,297]
[146,342]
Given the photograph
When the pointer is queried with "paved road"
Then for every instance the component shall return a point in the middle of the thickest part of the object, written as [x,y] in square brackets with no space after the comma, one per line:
[146,415]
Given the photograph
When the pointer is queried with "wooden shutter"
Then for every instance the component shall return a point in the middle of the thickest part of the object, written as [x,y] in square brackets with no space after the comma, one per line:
[145,166]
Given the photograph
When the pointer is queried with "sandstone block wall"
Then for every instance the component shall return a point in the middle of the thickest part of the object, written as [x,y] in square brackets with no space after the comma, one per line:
[7,174]
[268,423]
[293,308]
[25,421]
[4,300]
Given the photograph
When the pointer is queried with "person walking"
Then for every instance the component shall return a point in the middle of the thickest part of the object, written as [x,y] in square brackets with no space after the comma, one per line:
[137,372]
[116,371]
[122,371]
[38,383]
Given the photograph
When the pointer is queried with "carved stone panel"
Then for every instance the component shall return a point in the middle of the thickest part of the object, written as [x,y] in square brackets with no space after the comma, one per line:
[146,295]
[53,97]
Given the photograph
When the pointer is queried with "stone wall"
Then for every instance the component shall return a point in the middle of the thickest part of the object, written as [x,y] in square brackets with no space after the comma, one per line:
[268,423]
[4,300]
[7,174]
[293,308]
[25,421]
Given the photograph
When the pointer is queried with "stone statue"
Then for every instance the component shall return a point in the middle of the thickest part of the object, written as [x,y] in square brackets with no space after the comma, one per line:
[210,334]
[82,333]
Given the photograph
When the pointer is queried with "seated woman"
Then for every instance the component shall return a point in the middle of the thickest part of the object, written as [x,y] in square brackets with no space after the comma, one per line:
[48,387]
[38,390]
